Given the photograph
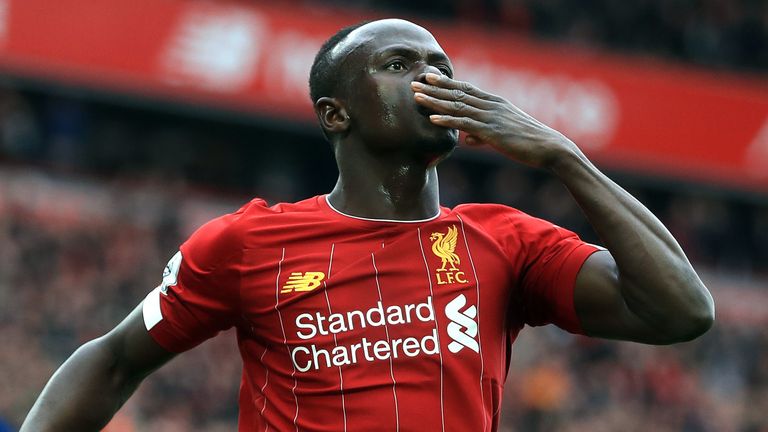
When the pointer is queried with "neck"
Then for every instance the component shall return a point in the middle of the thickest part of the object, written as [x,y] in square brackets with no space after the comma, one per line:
[386,187]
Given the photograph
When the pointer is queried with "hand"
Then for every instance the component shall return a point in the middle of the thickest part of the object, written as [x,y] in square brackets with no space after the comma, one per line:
[492,120]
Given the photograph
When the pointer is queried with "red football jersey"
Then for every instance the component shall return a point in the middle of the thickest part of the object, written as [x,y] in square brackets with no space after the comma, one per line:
[356,324]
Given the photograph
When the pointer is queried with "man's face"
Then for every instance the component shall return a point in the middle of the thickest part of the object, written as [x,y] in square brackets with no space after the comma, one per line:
[382,59]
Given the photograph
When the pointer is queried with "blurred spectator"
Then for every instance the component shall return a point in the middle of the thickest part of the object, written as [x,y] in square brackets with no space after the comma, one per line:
[715,33]
[19,131]
[78,252]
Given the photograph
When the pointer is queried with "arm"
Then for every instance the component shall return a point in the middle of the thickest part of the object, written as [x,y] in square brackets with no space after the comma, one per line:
[87,390]
[643,288]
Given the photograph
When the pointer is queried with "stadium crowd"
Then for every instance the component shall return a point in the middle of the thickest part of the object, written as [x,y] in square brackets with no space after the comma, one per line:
[94,201]
[95,198]
[725,34]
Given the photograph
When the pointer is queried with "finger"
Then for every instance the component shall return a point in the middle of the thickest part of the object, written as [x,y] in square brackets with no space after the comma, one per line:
[451,95]
[455,108]
[472,141]
[466,124]
[450,83]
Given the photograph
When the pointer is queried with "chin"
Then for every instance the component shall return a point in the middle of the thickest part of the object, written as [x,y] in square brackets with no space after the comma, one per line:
[439,146]
[446,138]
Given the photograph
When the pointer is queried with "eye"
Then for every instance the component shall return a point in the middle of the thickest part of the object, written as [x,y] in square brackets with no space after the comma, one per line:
[396,66]
[445,70]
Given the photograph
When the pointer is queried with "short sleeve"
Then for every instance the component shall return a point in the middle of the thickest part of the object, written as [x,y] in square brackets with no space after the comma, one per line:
[199,294]
[549,259]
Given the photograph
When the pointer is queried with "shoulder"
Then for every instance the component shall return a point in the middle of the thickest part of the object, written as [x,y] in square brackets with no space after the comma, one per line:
[228,235]
[222,237]
[510,225]
[228,228]
[484,208]
[492,215]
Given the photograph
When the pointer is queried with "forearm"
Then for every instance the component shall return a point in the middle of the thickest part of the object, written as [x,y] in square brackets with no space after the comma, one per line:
[657,282]
[83,394]
[646,290]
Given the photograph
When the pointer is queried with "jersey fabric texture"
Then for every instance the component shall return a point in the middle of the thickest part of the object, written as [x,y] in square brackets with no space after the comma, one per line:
[356,324]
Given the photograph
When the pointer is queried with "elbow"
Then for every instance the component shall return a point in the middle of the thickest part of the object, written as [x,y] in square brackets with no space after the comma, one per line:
[697,325]
[706,319]
[694,322]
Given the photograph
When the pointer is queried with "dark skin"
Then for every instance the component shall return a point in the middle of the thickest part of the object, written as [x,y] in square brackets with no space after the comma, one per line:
[387,146]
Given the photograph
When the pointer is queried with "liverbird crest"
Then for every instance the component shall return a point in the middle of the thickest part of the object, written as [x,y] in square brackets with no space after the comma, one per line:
[444,245]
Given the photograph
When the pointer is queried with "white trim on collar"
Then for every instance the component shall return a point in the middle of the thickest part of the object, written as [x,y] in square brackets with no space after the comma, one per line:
[379,220]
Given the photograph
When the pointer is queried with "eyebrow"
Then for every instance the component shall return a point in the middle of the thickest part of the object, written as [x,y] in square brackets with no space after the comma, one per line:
[409,52]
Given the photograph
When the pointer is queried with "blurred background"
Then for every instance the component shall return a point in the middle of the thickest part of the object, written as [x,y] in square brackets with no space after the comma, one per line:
[125,124]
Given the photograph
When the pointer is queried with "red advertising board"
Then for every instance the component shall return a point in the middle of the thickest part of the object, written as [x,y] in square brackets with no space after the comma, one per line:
[255,58]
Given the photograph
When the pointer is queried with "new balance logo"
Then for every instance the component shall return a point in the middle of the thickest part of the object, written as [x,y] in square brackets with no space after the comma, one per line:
[462,328]
[300,282]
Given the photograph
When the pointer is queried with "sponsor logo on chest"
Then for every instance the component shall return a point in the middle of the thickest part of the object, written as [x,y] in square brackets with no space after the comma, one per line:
[461,328]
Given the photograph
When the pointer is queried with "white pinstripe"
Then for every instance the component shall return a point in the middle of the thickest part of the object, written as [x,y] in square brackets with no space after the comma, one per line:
[335,342]
[437,331]
[479,338]
[285,339]
[386,330]
[266,380]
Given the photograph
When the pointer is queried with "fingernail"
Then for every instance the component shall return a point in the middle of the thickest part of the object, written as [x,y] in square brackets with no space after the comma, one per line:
[417,85]
[432,76]
[420,95]
[435,117]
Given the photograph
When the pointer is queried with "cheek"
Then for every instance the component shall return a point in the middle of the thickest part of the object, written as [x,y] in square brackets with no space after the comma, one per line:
[391,102]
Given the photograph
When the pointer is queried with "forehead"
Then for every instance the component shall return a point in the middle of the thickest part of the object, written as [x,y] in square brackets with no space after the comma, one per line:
[375,36]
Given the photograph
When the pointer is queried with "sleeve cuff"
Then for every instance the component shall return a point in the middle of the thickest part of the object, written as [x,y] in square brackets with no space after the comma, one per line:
[567,280]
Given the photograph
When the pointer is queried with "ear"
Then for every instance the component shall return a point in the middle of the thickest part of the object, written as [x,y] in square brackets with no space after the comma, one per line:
[332,114]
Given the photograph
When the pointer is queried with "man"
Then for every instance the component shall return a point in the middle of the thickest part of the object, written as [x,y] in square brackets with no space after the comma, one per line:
[372,307]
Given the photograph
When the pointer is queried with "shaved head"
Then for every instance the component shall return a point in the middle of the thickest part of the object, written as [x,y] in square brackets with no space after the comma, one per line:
[368,32]
[327,69]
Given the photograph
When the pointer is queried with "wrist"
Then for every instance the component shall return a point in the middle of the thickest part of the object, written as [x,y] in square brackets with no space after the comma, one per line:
[566,160]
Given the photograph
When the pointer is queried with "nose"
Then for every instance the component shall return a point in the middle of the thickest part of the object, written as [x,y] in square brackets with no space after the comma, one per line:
[422,76]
